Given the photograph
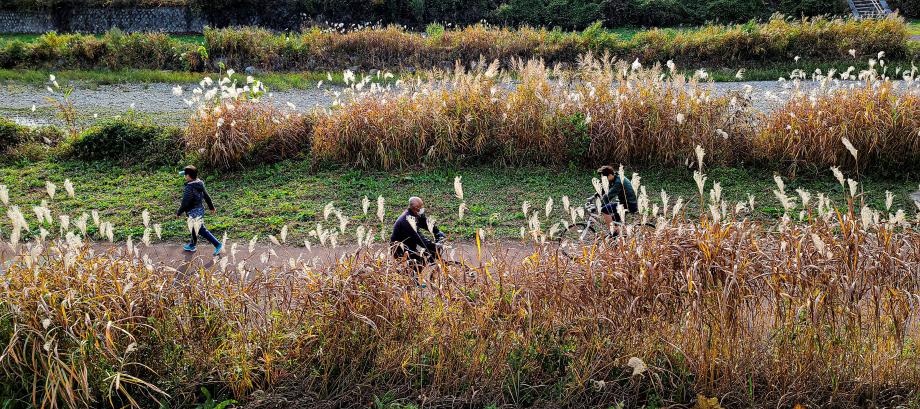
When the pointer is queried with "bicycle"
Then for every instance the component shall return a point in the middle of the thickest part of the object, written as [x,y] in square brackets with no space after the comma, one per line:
[593,230]
[425,271]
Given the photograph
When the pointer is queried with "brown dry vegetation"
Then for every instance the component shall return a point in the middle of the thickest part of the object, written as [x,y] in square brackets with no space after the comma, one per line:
[603,112]
[818,312]
[878,118]
[394,48]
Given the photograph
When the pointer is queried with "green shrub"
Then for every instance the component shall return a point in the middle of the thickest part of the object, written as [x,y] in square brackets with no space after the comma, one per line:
[114,50]
[137,50]
[435,31]
[734,10]
[569,14]
[596,38]
[28,152]
[12,52]
[11,134]
[665,12]
[48,135]
[125,140]
[798,8]
[907,8]
[21,143]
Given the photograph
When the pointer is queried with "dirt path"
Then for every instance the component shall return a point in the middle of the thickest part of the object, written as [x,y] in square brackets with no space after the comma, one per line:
[288,257]
[265,257]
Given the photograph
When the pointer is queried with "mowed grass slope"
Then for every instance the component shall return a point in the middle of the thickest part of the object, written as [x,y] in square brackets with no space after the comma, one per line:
[261,200]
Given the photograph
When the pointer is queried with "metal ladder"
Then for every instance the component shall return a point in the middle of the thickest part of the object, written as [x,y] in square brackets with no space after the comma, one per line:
[863,9]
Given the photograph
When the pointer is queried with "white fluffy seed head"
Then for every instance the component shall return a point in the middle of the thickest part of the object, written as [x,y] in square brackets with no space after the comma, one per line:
[700,154]
[852,183]
[51,188]
[458,187]
[68,186]
[700,180]
[849,146]
[838,175]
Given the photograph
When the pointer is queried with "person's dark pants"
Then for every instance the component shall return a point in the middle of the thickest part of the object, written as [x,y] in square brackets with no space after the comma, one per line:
[417,262]
[202,231]
[611,210]
[430,256]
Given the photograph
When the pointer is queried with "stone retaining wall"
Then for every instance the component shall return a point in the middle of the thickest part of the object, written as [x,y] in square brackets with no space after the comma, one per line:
[29,23]
[163,19]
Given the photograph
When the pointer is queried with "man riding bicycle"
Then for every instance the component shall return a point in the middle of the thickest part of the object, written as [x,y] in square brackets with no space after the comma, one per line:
[408,240]
[619,191]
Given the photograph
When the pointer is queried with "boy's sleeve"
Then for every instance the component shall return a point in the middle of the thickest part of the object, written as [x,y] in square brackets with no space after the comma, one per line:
[207,198]
[186,201]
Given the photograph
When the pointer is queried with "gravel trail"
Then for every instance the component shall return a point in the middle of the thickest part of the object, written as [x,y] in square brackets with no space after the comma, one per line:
[158,101]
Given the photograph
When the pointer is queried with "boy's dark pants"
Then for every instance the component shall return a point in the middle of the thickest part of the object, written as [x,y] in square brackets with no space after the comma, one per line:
[203,231]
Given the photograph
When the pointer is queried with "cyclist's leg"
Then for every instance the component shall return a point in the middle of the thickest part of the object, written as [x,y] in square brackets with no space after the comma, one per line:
[616,217]
[610,215]
[417,264]
[431,252]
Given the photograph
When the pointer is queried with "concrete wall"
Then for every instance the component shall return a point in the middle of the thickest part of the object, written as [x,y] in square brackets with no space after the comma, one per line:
[163,19]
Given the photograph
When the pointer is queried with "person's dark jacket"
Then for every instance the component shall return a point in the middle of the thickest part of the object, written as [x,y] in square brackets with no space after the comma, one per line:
[193,196]
[622,192]
[413,239]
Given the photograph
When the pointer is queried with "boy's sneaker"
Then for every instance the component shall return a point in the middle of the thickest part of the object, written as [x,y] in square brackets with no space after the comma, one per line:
[218,249]
[189,247]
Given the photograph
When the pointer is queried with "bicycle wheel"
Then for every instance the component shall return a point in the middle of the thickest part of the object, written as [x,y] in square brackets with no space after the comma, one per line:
[573,239]
[621,229]
[643,228]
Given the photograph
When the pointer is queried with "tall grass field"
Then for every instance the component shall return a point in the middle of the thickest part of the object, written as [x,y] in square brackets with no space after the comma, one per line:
[710,308]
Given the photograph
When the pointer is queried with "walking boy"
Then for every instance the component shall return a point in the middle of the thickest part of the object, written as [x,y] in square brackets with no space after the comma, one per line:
[193,207]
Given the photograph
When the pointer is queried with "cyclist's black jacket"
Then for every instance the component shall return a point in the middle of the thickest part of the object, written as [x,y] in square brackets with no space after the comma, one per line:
[413,239]
[621,192]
